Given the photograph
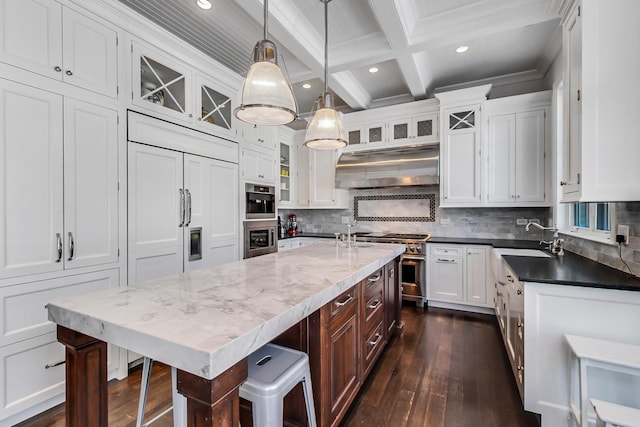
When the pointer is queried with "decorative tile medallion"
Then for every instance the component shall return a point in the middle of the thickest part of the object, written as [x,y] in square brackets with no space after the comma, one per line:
[414,208]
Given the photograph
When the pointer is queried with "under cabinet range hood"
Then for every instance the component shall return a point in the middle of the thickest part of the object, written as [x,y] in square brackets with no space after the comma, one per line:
[389,168]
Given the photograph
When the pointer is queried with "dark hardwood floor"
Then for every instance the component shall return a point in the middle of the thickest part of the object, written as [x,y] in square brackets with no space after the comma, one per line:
[448,369]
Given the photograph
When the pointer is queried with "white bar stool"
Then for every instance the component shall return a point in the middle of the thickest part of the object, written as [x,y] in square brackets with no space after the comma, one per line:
[611,415]
[273,372]
[179,402]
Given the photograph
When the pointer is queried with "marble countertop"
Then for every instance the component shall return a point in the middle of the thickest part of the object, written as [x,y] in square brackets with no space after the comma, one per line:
[205,321]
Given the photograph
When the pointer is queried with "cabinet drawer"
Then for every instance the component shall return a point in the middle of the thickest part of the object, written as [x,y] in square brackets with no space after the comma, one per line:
[372,306]
[446,250]
[375,279]
[30,373]
[23,305]
[344,302]
[371,347]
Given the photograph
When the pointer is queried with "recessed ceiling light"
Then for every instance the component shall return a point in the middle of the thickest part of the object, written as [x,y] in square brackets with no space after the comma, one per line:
[373,70]
[204,4]
[306,86]
[462,49]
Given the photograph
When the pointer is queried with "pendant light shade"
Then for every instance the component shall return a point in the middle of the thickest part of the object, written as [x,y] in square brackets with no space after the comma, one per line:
[325,131]
[266,97]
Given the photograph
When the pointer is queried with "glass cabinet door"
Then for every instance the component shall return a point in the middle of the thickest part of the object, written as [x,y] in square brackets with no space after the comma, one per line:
[214,110]
[285,173]
[425,128]
[161,84]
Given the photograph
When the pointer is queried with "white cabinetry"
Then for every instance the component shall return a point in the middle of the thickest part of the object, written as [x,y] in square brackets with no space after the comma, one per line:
[322,180]
[516,147]
[183,212]
[457,274]
[460,157]
[302,174]
[262,137]
[214,109]
[32,374]
[287,169]
[600,156]
[414,130]
[55,41]
[369,133]
[258,166]
[59,197]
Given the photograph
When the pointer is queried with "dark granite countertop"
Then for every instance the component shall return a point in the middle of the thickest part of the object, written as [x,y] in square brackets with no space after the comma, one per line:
[571,269]
[496,243]
[322,235]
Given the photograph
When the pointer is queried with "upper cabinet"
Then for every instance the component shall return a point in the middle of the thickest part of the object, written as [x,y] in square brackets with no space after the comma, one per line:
[52,40]
[213,109]
[401,125]
[287,167]
[601,150]
[262,137]
[161,84]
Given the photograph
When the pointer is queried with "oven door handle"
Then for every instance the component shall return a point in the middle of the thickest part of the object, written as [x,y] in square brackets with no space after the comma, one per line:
[413,258]
[272,234]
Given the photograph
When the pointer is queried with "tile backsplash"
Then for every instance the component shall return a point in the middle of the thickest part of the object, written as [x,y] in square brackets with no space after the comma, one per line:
[490,223]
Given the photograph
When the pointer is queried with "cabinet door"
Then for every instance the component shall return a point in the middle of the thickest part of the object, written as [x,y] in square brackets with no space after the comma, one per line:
[31,35]
[391,298]
[213,209]
[501,147]
[573,138]
[302,175]
[529,156]
[460,157]
[31,189]
[355,135]
[268,168]
[90,54]
[90,184]
[476,276]
[425,128]
[400,130]
[258,167]
[343,363]
[156,201]
[214,110]
[376,133]
[261,136]
[160,84]
[322,177]
[286,169]
[446,278]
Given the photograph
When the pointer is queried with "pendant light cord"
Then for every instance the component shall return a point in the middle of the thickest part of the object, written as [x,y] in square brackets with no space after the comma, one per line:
[266,13]
[326,45]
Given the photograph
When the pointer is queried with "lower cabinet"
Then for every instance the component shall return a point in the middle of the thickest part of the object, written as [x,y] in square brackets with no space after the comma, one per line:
[32,370]
[457,274]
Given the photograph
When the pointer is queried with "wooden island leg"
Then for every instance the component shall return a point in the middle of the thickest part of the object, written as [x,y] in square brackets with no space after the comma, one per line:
[86,376]
[216,402]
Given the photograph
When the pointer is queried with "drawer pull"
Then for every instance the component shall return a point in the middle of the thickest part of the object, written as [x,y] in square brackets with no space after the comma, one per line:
[375,278]
[446,260]
[519,292]
[520,368]
[345,302]
[375,341]
[53,365]
[377,303]
[520,324]
[510,278]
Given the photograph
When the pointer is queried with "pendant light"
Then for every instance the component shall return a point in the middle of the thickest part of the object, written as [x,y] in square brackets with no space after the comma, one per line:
[266,98]
[325,131]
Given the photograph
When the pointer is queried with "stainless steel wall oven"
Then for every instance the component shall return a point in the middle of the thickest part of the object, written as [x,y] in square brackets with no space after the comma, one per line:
[260,238]
[260,201]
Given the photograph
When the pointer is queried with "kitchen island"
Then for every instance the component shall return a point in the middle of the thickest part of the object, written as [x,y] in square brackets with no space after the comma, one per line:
[204,323]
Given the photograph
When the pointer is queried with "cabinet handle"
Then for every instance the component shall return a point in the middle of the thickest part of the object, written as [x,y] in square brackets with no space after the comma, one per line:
[374,278]
[59,247]
[377,303]
[375,342]
[190,115]
[72,246]
[57,69]
[181,193]
[68,73]
[446,260]
[520,324]
[53,365]
[520,368]
[578,178]
[578,94]
[199,119]
[345,302]
[563,183]
[510,278]
[188,207]
[519,292]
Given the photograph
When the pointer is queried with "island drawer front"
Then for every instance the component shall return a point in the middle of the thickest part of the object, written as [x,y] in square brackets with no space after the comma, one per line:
[31,373]
[373,306]
[375,279]
[446,250]
[25,315]
[343,302]
[372,347]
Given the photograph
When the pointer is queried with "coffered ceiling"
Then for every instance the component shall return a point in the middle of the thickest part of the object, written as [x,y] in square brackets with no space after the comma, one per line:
[411,42]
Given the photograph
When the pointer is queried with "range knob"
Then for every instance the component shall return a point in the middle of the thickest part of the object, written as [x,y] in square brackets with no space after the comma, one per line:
[411,248]
[419,248]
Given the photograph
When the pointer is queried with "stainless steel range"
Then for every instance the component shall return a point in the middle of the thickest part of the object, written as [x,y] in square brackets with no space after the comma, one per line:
[413,272]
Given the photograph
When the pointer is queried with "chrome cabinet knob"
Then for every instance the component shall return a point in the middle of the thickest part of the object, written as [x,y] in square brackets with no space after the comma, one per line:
[57,69]
[68,73]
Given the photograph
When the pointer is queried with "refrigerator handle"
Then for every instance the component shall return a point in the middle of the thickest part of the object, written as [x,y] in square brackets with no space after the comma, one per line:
[188,207]
[181,193]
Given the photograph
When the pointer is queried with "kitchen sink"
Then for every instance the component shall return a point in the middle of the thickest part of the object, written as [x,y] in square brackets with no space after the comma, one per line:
[499,268]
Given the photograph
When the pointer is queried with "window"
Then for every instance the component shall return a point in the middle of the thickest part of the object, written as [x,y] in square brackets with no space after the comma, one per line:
[591,219]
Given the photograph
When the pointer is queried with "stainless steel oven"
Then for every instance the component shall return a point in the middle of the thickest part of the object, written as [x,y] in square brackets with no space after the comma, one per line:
[260,201]
[260,238]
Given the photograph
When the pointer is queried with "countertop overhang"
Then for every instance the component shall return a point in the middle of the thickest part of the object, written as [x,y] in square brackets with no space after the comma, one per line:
[205,321]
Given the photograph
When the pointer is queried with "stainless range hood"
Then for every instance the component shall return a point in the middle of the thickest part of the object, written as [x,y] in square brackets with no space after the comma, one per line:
[389,168]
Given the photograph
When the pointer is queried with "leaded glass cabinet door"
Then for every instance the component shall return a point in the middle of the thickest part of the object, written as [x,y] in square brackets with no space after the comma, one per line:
[160,84]
[214,110]
[376,133]
[425,128]
[400,131]
[355,136]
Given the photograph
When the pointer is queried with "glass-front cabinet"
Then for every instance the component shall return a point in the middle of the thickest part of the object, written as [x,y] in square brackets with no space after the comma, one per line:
[417,129]
[161,84]
[285,171]
[367,134]
[215,111]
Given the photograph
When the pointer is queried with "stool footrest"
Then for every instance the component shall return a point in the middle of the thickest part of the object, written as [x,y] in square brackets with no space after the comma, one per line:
[616,414]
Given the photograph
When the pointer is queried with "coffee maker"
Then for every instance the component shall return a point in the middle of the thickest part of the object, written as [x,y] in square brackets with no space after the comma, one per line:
[292,228]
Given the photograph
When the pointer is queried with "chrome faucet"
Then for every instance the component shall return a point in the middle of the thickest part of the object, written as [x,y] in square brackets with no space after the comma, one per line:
[349,225]
[555,245]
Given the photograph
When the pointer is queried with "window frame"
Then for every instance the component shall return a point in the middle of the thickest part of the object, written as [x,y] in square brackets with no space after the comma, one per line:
[590,232]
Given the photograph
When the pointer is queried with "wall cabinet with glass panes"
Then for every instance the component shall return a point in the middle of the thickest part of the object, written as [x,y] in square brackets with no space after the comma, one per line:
[402,125]
[286,168]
